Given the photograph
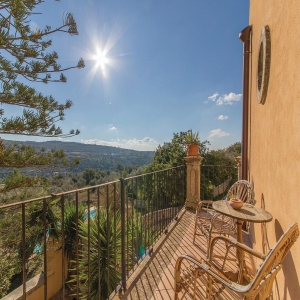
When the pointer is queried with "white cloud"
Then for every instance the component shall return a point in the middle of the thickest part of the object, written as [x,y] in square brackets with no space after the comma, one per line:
[222,117]
[113,143]
[229,99]
[218,133]
[112,127]
[145,144]
[213,97]
[226,99]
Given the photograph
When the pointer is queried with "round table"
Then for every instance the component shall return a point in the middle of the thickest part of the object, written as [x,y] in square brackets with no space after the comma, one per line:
[249,213]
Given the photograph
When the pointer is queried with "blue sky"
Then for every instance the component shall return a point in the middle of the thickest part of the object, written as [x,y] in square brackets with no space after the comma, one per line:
[164,67]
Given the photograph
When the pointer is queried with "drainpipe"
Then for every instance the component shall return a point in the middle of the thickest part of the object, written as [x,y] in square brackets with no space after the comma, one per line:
[244,37]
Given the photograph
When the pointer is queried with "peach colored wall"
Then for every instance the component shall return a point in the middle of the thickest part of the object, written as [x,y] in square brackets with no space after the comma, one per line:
[54,279]
[274,133]
[37,294]
[54,271]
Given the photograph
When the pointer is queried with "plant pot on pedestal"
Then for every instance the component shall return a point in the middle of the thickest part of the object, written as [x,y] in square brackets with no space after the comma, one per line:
[192,142]
[192,149]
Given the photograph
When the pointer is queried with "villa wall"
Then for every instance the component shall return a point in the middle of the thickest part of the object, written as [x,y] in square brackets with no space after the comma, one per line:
[35,286]
[54,274]
[274,134]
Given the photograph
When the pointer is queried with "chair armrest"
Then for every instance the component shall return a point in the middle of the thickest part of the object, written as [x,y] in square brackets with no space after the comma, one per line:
[221,224]
[218,276]
[204,202]
[234,243]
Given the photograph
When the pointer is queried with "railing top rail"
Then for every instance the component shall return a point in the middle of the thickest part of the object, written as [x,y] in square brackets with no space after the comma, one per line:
[85,188]
[159,171]
[82,189]
[56,195]
[225,166]
[25,202]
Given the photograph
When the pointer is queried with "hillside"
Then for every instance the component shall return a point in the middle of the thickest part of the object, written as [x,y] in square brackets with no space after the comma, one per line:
[91,156]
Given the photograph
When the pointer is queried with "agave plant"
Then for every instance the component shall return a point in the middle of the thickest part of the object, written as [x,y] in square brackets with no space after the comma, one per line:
[35,219]
[192,138]
[99,264]
[101,254]
[70,217]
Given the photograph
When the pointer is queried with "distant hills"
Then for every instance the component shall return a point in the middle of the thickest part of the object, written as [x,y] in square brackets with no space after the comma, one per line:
[91,156]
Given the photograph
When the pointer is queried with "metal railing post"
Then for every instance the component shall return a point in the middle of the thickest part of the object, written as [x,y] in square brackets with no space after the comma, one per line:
[45,207]
[62,245]
[123,242]
[23,252]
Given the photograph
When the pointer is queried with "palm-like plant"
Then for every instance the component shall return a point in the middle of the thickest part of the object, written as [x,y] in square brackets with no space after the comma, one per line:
[36,216]
[99,264]
[35,219]
[100,256]
[70,218]
[192,138]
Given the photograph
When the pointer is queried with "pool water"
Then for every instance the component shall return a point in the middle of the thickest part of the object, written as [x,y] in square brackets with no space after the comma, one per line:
[38,247]
[93,214]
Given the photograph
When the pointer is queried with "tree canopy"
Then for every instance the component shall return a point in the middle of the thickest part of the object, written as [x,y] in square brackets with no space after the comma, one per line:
[24,57]
[217,165]
[171,154]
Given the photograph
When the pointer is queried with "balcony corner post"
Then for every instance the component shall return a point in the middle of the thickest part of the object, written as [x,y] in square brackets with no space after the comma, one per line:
[193,181]
[238,159]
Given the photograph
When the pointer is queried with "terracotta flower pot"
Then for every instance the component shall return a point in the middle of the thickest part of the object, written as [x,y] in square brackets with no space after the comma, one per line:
[192,149]
[236,203]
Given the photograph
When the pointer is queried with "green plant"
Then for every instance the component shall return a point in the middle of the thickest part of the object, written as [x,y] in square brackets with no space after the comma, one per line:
[70,216]
[27,53]
[105,235]
[12,250]
[192,138]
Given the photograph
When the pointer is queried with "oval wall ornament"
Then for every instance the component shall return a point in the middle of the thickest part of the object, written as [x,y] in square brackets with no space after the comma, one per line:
[263,65]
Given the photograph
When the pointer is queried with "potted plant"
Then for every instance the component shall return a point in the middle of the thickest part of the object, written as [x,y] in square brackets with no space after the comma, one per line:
[192,142]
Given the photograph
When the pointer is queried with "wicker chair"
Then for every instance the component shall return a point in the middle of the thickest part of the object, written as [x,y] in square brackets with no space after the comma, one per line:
[208,222]
[209,280]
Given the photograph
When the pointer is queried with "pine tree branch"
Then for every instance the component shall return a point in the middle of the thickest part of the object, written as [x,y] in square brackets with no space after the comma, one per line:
[28,47]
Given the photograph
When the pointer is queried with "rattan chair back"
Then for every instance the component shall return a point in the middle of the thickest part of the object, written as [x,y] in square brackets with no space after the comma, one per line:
[262,283]
[243,190]
[205,280]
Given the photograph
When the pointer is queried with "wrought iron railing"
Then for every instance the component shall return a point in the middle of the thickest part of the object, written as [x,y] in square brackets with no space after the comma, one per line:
[216,180]
[101,232]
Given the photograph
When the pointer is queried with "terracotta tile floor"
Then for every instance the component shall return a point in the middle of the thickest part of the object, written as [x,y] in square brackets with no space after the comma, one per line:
[154,277]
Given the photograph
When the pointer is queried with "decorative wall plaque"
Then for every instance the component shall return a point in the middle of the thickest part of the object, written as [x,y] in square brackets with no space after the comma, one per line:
[263,65]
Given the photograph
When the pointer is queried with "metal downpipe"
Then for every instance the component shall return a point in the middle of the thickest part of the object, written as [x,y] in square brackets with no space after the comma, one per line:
[244,37]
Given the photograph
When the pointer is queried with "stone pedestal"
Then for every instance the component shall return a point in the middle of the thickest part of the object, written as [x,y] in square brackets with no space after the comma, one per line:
[193,181]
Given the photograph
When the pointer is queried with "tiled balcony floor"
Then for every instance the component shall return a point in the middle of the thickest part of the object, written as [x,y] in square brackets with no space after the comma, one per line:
[154,277]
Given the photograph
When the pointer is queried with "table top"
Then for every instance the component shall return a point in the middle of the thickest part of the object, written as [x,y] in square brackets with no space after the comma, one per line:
[248,212]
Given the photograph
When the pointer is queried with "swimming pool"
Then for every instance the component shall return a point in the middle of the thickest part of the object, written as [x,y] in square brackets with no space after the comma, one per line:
[38,247]
[93,213]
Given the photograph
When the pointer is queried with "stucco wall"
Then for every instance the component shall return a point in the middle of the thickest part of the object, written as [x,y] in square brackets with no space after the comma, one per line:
[274,133]
[35,286]
[54,274]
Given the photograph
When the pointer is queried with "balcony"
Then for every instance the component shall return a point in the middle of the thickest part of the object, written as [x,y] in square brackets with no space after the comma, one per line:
[118,239]
[154,277]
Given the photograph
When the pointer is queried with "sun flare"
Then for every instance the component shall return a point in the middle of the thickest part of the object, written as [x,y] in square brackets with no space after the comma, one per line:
[101,59]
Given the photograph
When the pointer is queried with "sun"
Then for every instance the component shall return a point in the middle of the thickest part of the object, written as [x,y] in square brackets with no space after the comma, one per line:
[101,59]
